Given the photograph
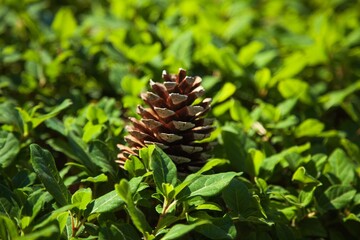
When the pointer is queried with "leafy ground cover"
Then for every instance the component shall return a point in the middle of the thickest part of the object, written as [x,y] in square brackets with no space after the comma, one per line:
[284,77]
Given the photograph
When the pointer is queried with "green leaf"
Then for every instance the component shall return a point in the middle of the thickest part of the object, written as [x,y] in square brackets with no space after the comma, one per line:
[103,157]
[225,92]
[207,185]
[8,228]
[122,231]
[240,113]
[309,128]
[44,166]
[180,49]
[23,178]
[209,206]
[134,166]
[167,220]
[237,197]
[302,176]
[9,115]
[342,166]
[262,78]
[307,195]
[336,98]
[179,230]
[99,178]
[106,203]
[92,131]
[286,106]
[293,65]
[247,53]
[9,148]
[164,169]
[219,228]
[53,216]
[95,114]
[286,123]
[207,167]
[146,155]
[31,119]
[336,197]
[64,23]
[236,144]
[294,88]
[34,204]
[81,198]
[142,53]
[253,161]
[82,155]
[63,218]
[48,232]
[211,163]
[55,111]
[269,163]
[138,218]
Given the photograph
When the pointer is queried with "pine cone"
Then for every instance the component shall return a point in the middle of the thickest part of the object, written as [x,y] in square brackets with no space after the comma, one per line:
[172,122]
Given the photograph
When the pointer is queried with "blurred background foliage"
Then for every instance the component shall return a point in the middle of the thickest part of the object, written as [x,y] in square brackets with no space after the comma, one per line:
[284,77]
[273,63]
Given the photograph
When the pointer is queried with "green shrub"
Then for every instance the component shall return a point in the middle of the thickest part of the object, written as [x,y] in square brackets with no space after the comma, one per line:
[284,77]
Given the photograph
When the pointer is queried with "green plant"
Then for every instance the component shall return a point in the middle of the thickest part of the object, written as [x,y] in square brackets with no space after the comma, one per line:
[284,80]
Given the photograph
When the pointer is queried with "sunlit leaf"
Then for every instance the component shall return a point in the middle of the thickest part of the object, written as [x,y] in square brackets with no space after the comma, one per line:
[309,128]
[64,23]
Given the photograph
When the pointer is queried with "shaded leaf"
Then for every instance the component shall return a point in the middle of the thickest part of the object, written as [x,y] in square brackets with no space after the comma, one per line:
[137,216]
[237,197]
[179,230]
[164,169]
[8,228]
[44,166]
[219,228]
[9,148]
[342,166]
[336,197]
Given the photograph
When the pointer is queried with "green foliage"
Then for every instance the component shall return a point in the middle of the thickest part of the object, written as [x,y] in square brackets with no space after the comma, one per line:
[284,78]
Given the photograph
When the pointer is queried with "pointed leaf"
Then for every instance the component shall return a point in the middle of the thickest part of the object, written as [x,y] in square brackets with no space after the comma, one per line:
[48,232]
[302,176]
[237,197]
[137,216]
[208,185]
[336,197]
[107,203]
[309,128]
[219,228]
[164,169]
[122,231]
[179,230]
[8,228]
[79,149]
[342,166]
[99,178]
[44,166]
[81,198]
[9,148]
